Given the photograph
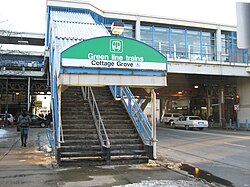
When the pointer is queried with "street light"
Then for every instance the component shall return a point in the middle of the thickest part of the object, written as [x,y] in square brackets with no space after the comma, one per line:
[117,28]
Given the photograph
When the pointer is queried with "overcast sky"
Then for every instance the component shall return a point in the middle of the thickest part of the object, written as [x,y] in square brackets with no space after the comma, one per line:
[29,15]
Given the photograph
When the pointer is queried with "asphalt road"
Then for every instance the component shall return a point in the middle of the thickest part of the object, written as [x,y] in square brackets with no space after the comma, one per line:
[34,166]
[219,153]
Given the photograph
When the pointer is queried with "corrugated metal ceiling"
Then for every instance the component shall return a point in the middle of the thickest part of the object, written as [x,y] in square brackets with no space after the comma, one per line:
[70,28]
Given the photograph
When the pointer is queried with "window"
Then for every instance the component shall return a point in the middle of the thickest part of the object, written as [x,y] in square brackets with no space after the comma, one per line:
[208,46]
[225,47]
[178,43]
[161,39]
[129,30]
[146,35]
[194,44]
[195,118]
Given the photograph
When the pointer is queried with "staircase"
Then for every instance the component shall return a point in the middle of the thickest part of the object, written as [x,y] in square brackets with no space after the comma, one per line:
[126,145]
[81,144]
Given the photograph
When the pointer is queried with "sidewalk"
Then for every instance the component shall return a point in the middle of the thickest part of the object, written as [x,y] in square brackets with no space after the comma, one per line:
[33,166]
[24,166]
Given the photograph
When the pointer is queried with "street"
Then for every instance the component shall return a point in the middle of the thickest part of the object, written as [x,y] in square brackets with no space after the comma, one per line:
[220,157]
[221,153]
[34,166]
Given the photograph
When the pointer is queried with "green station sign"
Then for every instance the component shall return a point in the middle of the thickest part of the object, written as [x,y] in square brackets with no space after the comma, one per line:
[113,53]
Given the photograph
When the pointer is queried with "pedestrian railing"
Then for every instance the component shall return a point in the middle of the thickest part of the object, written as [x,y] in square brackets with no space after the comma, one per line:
[101,131]
[139,119]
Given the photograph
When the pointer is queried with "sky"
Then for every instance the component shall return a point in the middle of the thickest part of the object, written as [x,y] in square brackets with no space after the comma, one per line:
[29,15]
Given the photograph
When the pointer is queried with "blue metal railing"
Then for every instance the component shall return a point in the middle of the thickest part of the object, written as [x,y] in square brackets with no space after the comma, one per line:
[136,114]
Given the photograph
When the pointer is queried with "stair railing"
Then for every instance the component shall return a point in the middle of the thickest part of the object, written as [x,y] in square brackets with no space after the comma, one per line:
[139,119]
[103,137]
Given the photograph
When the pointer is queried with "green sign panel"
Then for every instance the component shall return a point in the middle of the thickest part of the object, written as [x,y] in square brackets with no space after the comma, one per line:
[114,53]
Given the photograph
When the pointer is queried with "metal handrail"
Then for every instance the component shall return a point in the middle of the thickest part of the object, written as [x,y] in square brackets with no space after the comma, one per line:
[60,132]
[139,119]
[103,137]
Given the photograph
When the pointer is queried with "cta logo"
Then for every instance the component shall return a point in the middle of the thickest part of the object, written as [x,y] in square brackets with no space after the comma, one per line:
[116,46]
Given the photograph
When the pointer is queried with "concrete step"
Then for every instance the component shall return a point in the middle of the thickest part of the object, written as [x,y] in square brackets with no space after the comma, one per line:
[79,131]
[120,131]
[79,126]
[118,126]
[116,121]
[128,152]
[80,137]
[82,154]
[81,142]
[125,141]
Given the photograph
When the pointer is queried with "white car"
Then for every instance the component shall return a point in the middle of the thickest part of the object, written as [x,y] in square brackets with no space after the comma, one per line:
[169,117]
[10,118]
[189,122]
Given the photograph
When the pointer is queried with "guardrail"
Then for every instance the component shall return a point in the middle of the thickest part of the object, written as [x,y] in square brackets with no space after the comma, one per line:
[103,137]
[139,119]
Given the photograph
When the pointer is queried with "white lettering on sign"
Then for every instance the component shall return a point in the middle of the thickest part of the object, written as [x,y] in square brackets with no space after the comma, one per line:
[134,58]
[116,58]
[92,56]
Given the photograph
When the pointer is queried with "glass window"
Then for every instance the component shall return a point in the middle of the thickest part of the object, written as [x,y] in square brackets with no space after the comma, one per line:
[238,55]
[178,42]
[147,35]
[193,42]
[208,46]
[225,47]
[161,41]
[129,30]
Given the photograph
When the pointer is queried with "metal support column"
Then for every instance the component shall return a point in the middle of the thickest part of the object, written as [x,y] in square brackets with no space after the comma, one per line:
[138,28]
[208,105]
[162,106]
[28,95]
[218,43]
[221,107]
[208,94]
[153,107]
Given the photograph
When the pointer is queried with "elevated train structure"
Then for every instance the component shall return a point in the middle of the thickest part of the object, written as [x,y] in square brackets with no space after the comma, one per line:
[204,74]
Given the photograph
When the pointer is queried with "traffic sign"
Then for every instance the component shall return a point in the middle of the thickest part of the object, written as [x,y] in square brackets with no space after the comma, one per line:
[237,107]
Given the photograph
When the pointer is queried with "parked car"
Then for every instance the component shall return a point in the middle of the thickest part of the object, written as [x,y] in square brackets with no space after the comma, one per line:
[37,121]
[10,118]
[169,117]
[189,122]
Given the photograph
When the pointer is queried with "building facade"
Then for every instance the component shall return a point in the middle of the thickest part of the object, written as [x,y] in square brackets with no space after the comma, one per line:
[201,55]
